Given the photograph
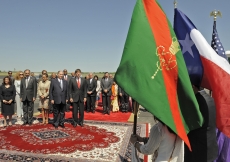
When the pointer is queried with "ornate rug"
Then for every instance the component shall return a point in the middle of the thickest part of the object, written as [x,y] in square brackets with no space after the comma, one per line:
[96,141]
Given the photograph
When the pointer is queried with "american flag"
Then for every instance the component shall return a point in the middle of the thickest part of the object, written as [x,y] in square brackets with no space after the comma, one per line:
[216,44]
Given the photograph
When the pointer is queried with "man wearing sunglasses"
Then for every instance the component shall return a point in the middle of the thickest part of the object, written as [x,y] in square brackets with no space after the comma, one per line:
[11,77]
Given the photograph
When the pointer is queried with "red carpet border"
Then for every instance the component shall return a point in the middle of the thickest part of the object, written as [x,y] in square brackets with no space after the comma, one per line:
[96,141]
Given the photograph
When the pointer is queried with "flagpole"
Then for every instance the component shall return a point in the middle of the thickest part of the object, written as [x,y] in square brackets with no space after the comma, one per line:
[215,14]
[135,111]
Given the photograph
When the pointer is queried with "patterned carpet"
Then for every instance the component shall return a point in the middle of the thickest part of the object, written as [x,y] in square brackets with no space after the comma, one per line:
[97,141]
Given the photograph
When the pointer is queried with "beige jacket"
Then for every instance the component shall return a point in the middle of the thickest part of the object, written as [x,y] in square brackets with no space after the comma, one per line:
[43,88]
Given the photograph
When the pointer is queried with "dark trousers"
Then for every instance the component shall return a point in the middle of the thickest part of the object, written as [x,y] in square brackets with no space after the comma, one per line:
[59,109]
[91,103]
[67,107]
[28,111]
[79,105]
[106,100]
[124,99]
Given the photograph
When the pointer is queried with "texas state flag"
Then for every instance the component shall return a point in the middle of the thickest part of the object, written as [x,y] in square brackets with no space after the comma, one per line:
[205,67]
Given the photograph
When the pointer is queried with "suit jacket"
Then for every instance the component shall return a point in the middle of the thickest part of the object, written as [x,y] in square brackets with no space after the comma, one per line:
[77,93]
[31,91]
[68,78]
[203,140]
[106,85]
[56,93]
[91,86]
[12,80]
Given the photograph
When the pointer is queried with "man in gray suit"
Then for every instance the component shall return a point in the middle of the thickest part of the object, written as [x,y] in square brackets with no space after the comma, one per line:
[77,93]
[106,84]
[59,97]
[28,94]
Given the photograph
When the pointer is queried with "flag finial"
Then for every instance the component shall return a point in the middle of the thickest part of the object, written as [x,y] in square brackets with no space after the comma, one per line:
[215,14]
[175,3]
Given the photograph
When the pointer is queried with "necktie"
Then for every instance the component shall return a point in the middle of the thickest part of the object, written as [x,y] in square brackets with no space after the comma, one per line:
[26,82]
[61,85]
[78,83]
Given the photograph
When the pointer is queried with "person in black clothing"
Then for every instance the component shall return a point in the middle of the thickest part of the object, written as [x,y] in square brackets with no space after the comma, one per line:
[91,93]
[7,97]
[203,140]
[124,100]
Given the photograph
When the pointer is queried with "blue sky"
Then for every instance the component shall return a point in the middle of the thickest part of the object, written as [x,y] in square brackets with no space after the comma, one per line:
[85,34]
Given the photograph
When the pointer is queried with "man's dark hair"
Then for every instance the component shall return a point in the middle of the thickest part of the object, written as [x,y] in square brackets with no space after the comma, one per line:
[95,76]
[9,72]
[78,70]
[197,86]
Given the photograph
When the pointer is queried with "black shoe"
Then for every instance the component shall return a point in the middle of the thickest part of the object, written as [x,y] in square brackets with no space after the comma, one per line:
[104,113]
[108,112]
[62,125]
[93,111]
[30,123]
[81,125]
[87,111]
[56,127]
[74,125]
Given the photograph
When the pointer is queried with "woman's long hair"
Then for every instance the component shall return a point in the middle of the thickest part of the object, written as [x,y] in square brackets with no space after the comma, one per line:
[17,75]
[3,81]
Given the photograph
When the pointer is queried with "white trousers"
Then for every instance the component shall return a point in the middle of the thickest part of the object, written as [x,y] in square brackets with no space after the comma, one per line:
[19,106]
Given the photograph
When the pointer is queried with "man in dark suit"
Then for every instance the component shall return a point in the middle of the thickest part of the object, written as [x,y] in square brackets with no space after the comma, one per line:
[124,99]
[91,93]
[11,77]
[28,94]
[66,76]
[77,93]
[203,140]
[59,96]
[106,84]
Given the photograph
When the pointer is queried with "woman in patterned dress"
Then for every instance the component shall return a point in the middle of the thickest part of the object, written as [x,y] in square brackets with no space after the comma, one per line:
[114,98]
[43,92]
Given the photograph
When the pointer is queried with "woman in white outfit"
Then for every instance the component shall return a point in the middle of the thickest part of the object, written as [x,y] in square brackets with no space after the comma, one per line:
[17,82]
[163,144]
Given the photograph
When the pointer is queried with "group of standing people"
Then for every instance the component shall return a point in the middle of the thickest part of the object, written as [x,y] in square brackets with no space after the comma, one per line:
[59,92]
[23,90]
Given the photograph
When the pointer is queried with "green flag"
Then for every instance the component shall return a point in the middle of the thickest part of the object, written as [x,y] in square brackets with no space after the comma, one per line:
[153,72]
